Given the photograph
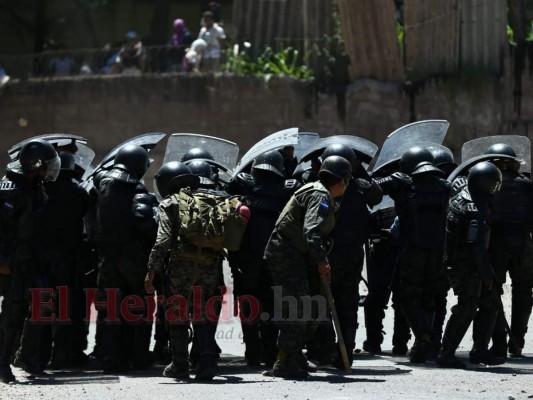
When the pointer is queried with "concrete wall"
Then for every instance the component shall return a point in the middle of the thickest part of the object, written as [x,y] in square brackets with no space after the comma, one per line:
[108,109]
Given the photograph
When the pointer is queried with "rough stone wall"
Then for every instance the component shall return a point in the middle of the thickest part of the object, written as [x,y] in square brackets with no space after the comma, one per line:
[108,109]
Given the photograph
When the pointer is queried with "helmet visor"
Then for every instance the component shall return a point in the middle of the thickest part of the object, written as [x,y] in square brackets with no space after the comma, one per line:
[53,167]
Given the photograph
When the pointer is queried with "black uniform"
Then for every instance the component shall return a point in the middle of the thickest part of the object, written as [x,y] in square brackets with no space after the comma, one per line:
[421,202]
[125,232]
[382,257]
[20,212]
[510,251]
[62,235]
[268,194]
[467,234]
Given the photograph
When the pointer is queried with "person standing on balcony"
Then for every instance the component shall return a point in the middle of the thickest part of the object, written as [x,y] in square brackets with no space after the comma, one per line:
[179,42]
[215,37]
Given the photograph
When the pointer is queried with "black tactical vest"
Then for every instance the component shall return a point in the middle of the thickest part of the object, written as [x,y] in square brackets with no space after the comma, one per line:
[352,226]
[512,203]
[423,216]
[114,210]
[268,196]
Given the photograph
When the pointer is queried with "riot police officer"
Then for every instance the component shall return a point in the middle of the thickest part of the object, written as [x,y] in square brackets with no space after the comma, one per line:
[466,258]
[124,232]
[421,198]
[268,191]
[22,265]
[296,256]
[510,246]
[62,233]
[346,258]
[382,258]
[445,162]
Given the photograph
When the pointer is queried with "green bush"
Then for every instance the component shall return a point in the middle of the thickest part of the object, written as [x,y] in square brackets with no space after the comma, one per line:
[285,62]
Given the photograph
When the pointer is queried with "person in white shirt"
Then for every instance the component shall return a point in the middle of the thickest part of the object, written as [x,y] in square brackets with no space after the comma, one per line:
[215,37]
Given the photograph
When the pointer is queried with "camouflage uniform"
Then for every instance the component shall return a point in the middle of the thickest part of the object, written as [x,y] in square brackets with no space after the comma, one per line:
[296,247]
[192,277]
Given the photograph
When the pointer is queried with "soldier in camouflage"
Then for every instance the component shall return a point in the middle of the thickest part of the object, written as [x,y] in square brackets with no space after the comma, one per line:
[296,255]
[191,278]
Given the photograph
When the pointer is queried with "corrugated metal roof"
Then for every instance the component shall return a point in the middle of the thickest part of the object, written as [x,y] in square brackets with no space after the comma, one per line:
[369,31]
[296,23]
[483,34]
[431,37]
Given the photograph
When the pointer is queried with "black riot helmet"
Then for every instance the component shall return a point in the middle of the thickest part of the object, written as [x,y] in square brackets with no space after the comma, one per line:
[337,167]
[197,152]
[134,159]
[343,151]
[269,161]
[418,160]
[484,178]
[505,150]
[173,176]
[203,170]
[442,156]
[38,154]
[501,148]
[443,159]
[68,162]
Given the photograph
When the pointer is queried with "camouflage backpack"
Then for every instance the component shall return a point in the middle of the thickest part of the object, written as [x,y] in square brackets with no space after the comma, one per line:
[211,220]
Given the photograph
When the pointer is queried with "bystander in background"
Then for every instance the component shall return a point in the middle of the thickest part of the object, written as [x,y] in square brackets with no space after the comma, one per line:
[215,37]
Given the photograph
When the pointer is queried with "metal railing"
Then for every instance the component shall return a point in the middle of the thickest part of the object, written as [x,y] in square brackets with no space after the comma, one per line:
[154,59]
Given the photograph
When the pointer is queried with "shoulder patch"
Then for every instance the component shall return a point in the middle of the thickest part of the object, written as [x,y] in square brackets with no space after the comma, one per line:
[7,185]
[292,184]
[324,205]
[471,207]
[246,178]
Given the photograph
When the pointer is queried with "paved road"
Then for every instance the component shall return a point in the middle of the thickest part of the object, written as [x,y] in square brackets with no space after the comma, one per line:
[373,377]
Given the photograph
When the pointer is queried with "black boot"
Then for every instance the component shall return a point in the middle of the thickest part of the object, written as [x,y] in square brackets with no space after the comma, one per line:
[401,334]
[438,325]
[179,343]
[486,357]
[269,347]
[252,353]
[374,329]
[6,375]
[208,354]
[521,311]
[419,321]
[499,338]
[420,349]
[453,334]
[177,370]
[482,332]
